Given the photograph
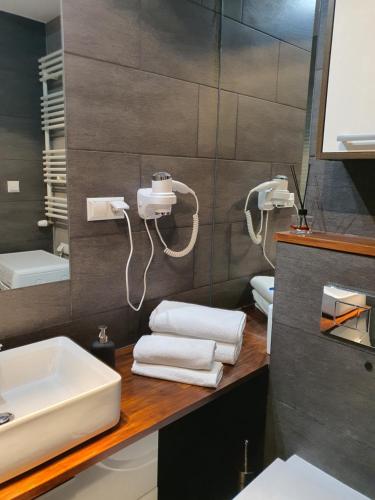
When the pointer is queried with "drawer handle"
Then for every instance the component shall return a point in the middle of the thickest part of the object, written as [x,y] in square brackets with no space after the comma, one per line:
[361,139]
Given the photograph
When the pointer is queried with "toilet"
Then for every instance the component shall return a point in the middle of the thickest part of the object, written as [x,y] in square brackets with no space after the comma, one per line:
[296,479]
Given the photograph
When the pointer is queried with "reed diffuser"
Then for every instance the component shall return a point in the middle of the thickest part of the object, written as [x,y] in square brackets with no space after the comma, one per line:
[301,223]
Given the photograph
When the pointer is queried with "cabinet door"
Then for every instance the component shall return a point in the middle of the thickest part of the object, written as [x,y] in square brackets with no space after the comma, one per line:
[201,456]
[129,474]
[347,112]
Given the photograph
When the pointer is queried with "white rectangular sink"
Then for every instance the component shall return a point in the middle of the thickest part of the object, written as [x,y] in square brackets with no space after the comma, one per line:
[59,394]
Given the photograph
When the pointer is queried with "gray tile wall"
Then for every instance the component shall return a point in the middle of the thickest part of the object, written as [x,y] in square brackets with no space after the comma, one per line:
[148,100]
[321,401]
[53,35]
[22,42]
[321,393]
[264,77]
[141,90]
[339,193]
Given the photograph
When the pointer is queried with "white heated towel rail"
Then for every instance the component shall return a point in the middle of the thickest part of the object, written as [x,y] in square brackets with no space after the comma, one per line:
[51,70]
[56,207]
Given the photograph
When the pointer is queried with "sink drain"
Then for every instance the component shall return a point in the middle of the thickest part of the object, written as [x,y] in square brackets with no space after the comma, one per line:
[6,417]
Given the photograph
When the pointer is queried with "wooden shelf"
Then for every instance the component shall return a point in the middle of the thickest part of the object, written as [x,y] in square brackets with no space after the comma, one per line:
[147,405]
[331,241]
[326,324]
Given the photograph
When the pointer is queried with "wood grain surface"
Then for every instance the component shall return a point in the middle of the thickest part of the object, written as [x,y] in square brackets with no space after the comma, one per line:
[347,243]
[147,405]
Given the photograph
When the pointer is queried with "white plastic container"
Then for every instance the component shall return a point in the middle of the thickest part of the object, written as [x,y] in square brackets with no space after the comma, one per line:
[130,474]
[33,267]
[297,479]
[337,301]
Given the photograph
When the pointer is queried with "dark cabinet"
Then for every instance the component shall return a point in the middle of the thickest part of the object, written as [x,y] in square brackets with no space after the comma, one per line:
[201,455]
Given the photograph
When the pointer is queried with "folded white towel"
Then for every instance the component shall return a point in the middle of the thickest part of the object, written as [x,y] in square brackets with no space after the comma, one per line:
[182,352]
[205,378]
[201,322]
[225,353]
[228,353]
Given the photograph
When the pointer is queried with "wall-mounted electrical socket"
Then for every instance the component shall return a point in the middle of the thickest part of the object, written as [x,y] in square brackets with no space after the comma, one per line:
[101,209]
[13,186]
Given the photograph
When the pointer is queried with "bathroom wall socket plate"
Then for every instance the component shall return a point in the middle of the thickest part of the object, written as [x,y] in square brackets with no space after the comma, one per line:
[13,186]
[100,208]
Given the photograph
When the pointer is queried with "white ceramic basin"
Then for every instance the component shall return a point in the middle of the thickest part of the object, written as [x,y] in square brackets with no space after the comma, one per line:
[60,396]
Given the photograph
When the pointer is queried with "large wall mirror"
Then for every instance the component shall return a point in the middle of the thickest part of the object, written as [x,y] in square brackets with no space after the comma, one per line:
[34,244]
[248,121]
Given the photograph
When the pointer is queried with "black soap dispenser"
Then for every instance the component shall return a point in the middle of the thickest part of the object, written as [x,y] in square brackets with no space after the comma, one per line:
[103,348]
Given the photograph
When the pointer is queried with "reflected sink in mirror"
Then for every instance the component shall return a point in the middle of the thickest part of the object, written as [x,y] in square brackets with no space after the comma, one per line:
[56,395]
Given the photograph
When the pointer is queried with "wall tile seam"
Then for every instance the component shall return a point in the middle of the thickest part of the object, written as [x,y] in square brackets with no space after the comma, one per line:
[302,412]
[70,286]
[181,79]
[278,74]
[242,10]
[105,235]
[158,155]
[239,94]
[141,70]
[32,159]
[267,34]
[31,117]
[70,323]
[291,406]
[20,200]
[236,128]
[229,261]
[137,230]
[125,308]
[136,156]
[137,153]
[168,296]
[61,322]
[198,119]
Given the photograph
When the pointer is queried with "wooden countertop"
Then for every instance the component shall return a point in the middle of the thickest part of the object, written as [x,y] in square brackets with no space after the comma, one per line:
[147,405]
[331,241]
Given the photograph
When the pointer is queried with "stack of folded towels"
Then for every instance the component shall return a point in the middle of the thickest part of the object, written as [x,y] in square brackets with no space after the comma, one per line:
[189,343]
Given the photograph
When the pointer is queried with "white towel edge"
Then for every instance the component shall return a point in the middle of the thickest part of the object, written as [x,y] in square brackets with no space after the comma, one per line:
[137,370]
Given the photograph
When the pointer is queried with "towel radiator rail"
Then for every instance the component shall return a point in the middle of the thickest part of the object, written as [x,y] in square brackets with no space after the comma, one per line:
[51,70]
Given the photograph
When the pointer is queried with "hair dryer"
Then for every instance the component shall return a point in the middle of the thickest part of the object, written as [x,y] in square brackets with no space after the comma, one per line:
[271,194]
[154,203]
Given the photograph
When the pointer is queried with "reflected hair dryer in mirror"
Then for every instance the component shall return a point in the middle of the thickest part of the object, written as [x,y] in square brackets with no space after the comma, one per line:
[271,194]
[153,203]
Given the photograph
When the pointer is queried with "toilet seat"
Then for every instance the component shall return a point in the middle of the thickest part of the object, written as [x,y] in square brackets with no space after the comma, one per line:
[297,479]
